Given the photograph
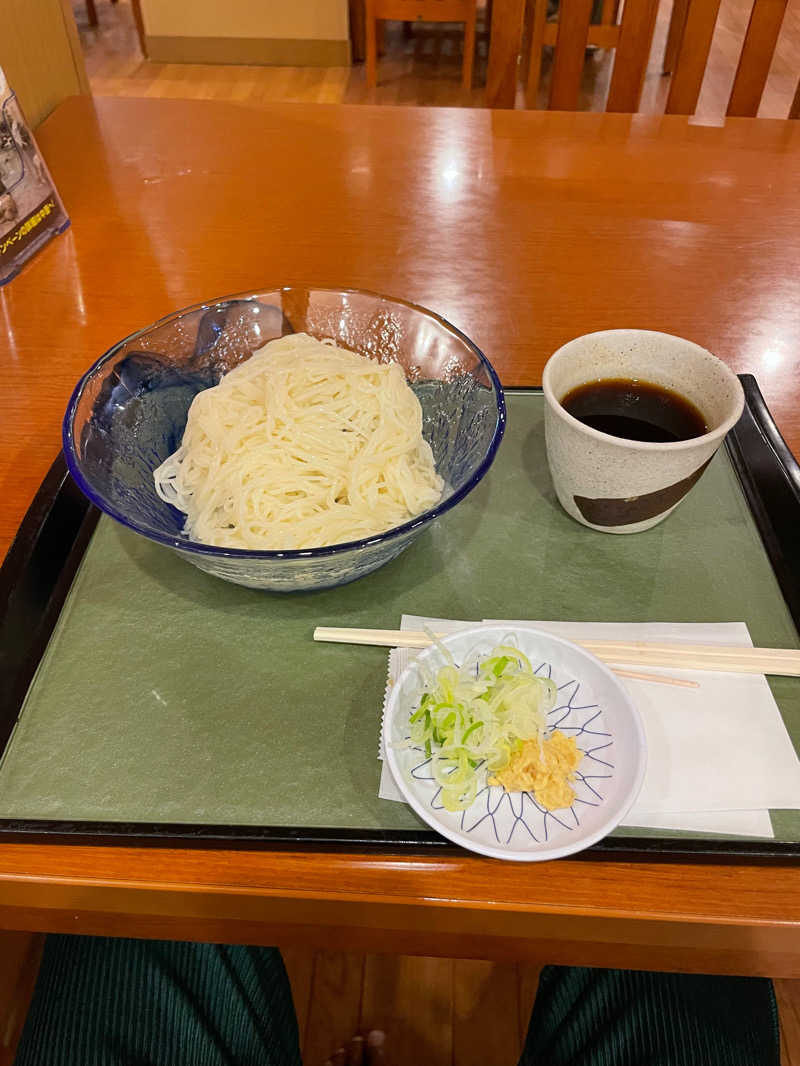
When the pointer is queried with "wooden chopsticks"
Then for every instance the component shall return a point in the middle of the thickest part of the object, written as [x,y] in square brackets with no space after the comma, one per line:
[728,659]
[657,679]
[397,638]
[384,638]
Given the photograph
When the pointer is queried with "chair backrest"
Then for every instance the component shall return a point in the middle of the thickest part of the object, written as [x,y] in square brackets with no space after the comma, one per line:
[758,48]
[632,41]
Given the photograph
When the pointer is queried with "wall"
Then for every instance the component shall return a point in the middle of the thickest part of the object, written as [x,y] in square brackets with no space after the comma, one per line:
[281,32]
[40,54]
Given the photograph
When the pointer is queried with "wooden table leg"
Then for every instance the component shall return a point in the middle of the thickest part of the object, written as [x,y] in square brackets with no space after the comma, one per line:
[677,23]
[504,49]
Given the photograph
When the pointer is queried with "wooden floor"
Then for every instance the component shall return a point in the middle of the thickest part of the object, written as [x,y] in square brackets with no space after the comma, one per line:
[440,1012]
[436,1012]
[422,68]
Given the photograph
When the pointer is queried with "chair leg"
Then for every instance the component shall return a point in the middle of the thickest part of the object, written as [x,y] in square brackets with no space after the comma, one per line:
[357,30]
[91,11]
[677,22]
[469,52]
[371,34]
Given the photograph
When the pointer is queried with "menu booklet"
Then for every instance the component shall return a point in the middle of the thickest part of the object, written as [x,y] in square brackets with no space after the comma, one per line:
[31,212]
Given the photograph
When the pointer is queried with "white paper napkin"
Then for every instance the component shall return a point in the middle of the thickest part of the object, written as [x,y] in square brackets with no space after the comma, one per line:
[730,823]
[718,757]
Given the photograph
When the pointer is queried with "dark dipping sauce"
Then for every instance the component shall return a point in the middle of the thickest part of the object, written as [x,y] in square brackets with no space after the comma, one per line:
[635,410]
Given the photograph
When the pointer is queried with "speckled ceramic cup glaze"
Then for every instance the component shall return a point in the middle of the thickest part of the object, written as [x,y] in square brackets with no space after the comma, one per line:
[624,486]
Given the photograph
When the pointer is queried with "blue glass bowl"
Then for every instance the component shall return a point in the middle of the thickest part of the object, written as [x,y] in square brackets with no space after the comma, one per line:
[128,413]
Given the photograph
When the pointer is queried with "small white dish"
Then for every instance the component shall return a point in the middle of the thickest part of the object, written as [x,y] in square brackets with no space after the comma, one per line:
[592,706]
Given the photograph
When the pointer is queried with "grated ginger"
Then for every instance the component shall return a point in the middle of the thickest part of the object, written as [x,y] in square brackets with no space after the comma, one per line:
[544,768]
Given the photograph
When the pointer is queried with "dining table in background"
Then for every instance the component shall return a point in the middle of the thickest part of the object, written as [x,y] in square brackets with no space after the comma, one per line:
[522,228]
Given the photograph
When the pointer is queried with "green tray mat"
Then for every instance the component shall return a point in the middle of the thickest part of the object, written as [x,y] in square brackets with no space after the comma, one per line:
[168,696]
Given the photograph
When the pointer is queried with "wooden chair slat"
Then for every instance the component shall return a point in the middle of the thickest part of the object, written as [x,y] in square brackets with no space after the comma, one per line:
[573,32]
[632,54]
[610,12]
[538,22]
[684,91]
[677,22]
[766,20]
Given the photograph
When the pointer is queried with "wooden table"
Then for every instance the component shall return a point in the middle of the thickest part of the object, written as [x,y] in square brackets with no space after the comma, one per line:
[524,229]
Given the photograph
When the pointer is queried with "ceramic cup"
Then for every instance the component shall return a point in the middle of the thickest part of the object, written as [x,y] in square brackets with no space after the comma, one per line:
[624,486]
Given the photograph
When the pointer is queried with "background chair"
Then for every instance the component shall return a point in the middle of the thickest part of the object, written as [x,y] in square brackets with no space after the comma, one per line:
[688,46]
[420,11]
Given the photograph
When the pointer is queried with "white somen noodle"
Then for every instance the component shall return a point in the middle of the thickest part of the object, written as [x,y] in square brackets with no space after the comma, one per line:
[303,445]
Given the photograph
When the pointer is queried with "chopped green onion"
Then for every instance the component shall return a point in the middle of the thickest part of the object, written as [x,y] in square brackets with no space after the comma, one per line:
[472,719]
